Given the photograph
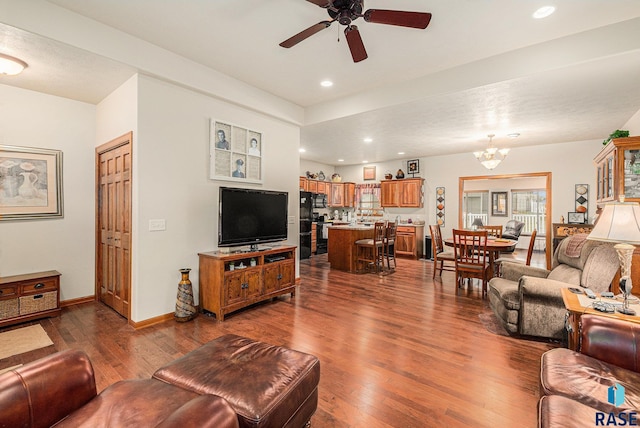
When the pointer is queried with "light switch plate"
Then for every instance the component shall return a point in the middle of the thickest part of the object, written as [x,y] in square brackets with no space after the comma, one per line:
[292,219]
[157,224]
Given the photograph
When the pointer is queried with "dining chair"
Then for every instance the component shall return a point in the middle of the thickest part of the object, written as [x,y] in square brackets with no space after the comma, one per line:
[526,261]
[390,244]
[471,259]
[370,251]
[440,256]
[493,230]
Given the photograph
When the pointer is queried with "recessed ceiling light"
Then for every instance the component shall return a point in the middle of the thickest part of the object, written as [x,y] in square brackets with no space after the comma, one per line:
[365,161]
[368,139]
[513,135]
[400,153]
[326,83]
[340,160]
[543,12]
[11,66]
[301,150]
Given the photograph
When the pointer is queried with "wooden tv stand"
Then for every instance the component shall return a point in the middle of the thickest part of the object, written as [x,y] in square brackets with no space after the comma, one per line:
[223,290]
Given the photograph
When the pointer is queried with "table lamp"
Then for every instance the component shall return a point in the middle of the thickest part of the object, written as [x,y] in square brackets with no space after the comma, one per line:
[620,223]
[477,223]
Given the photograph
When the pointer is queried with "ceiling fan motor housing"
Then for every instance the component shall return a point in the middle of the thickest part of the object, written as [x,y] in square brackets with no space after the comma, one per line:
[345,11]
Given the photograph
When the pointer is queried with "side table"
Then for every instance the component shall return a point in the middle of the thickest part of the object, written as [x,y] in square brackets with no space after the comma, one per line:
[575,311]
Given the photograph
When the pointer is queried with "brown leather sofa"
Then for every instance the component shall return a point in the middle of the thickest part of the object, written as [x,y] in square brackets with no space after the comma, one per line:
[229,382]
[60,390]
[575,385]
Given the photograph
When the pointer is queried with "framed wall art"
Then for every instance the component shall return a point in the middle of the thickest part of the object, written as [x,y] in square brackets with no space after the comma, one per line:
[369,172]
[440,206]
[235,153]
[499,206]
[576,218]
[30,183]
[582,199]
[413,167]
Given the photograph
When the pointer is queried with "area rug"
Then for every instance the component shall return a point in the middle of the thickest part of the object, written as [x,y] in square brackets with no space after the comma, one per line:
[21,340]
[491,323]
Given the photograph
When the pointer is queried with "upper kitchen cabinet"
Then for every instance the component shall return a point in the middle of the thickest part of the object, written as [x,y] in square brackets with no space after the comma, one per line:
[618,170]
[405,193]
[342,194]
[314,186]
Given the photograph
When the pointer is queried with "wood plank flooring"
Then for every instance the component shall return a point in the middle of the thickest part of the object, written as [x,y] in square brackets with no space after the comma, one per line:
[396,351]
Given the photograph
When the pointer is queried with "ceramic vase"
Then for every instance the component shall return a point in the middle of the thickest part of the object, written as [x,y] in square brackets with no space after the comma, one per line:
[185,307]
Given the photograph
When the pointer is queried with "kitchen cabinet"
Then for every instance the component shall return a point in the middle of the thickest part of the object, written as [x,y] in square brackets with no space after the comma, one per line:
[409,242]
[342,195]
[405,193]
[304,184]
[618,170]
[314,237]
[314,186]
[265,274]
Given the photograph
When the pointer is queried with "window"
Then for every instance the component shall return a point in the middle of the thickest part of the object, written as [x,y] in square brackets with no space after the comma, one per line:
[475,205]
[529,207]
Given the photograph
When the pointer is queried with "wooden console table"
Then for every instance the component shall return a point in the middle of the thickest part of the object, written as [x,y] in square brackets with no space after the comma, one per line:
[575,311]
[255,276]
[28,297]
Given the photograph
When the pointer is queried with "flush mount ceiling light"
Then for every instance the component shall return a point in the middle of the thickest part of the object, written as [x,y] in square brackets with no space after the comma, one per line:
[492,156]
[301,150]
[513,135]
[368,139]
[10,65]
[543,12]
[326,83]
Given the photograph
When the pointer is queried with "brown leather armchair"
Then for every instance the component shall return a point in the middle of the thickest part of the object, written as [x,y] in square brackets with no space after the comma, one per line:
[575,385]
[60,390]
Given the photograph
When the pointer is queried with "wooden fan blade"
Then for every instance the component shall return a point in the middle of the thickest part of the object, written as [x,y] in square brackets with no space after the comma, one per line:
[321,3]
[398,17]
[292,41]
[356,46]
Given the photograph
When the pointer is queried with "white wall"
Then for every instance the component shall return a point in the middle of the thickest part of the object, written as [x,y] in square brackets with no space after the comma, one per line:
[633,125]
[570,164]
[172,183]
[316,167]
[66,244]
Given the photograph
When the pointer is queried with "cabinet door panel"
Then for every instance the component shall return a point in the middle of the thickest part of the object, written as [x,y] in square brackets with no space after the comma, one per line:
[288,274]
[271,272]
[389,193]
[253,283]
[337,195]
[233,286]
[411,195]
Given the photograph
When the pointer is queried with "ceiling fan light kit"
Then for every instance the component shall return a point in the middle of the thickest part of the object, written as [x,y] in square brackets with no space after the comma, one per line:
[347,11]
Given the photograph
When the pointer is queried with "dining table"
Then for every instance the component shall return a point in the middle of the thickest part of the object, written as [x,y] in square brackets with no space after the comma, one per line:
[494,247]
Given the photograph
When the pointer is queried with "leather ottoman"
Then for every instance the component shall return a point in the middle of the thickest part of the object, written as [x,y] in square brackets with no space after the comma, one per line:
[266,385]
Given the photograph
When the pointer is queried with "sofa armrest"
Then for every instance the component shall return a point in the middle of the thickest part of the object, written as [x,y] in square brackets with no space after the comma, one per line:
[611,340]
[206,411]
[42,393]
[542,287]
[513,271]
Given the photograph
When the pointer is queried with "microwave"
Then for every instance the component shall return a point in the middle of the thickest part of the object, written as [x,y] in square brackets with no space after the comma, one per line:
[319,200]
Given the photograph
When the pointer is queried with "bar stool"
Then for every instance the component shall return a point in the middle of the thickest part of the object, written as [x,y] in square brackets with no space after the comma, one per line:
[390,245]
[370,251]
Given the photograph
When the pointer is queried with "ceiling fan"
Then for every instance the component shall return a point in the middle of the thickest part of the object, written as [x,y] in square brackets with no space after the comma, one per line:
[347,11]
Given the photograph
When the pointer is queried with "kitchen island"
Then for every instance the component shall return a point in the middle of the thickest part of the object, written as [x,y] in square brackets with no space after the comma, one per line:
[341,246]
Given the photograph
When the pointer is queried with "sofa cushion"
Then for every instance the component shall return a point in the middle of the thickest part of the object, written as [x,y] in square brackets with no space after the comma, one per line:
[587,380]
[566,273]
[555,411]
[506,291]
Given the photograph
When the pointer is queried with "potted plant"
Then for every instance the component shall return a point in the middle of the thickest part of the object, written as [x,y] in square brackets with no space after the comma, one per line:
[618,133]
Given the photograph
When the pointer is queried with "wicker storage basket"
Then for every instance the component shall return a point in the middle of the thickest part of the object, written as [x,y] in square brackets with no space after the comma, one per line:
[9,308]
[38,302]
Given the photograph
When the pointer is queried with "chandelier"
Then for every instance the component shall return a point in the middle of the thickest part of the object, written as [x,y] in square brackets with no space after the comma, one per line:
[492,156]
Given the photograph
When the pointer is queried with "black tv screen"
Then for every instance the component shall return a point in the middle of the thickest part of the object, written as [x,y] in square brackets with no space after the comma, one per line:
[251,217]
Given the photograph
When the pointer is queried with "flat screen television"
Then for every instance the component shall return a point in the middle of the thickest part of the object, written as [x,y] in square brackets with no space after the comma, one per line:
[251,217]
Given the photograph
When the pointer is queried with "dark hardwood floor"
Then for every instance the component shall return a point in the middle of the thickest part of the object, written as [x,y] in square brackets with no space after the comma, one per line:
[396,351]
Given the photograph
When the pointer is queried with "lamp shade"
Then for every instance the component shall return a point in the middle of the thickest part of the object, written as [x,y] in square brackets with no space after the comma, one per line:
[619,222]
[477,222]
[11,66]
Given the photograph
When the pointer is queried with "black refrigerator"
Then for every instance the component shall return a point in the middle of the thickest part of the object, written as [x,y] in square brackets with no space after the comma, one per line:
[306,214]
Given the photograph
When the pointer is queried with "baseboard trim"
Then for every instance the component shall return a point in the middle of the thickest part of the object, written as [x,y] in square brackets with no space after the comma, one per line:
[151,321]
[78,301]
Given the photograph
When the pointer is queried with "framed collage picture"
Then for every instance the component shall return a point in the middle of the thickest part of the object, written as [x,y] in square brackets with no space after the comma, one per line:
[235,153]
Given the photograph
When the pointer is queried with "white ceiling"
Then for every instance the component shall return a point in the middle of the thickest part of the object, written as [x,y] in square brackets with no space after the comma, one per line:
[480,67]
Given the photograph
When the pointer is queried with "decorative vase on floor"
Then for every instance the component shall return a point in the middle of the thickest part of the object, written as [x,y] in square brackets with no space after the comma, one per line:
[185,307]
